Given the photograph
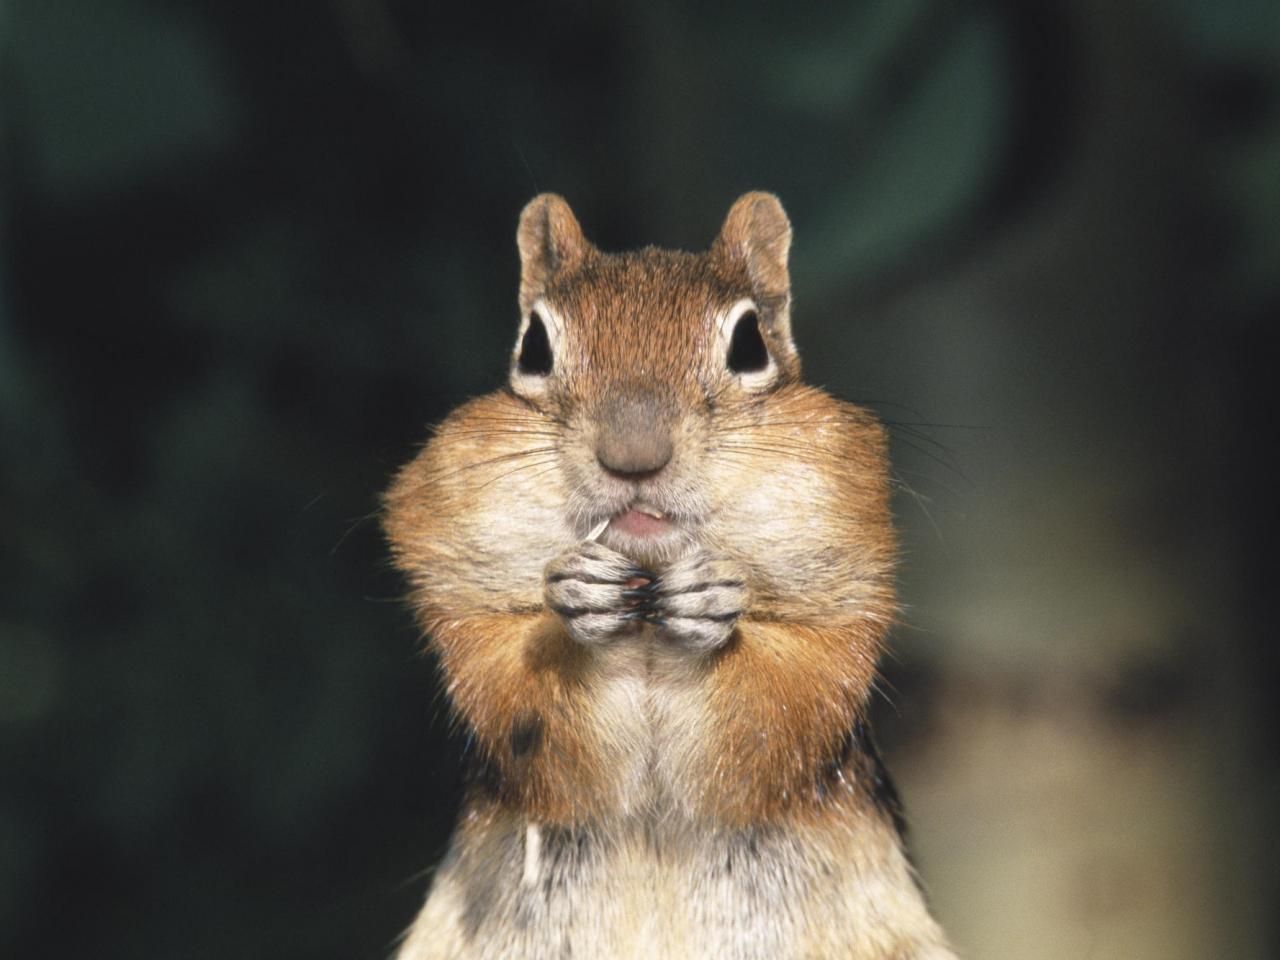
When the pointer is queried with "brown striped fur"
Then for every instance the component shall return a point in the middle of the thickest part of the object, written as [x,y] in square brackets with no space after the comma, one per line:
[639,797]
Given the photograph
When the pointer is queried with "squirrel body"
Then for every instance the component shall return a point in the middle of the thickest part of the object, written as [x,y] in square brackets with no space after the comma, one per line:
[657,571]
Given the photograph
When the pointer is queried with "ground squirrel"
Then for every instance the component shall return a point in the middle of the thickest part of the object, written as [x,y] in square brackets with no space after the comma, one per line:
[657,571]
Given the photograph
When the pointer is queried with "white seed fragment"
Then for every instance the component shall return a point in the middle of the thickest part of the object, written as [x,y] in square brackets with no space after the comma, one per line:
[532,850]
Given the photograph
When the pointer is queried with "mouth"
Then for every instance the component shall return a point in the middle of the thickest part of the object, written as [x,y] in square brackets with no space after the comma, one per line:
[647,534]
[642,521]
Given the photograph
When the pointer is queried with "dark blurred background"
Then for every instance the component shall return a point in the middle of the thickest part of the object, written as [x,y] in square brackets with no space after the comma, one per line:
[251,250]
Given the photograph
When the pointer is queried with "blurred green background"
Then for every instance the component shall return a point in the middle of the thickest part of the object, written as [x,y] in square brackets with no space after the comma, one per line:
[249,252]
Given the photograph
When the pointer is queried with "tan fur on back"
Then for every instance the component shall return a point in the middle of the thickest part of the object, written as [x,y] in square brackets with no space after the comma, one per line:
[637,798]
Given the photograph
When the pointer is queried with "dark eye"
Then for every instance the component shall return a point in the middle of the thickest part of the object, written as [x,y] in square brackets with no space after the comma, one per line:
[747,352]
[535,349]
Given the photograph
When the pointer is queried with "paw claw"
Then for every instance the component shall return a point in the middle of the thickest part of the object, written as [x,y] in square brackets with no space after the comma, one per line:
[597,593]
[699,600]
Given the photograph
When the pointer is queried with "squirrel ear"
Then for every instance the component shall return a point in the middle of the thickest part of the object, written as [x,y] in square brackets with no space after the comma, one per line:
[550,241]
[758,233]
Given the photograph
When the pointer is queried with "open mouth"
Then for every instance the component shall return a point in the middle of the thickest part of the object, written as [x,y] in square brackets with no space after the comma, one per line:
[642,520]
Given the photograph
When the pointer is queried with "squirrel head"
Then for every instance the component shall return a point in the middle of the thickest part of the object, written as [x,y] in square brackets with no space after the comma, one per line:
[640,356]
[654,404]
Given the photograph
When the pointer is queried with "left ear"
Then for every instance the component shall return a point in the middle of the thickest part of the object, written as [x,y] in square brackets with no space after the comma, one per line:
[757,233]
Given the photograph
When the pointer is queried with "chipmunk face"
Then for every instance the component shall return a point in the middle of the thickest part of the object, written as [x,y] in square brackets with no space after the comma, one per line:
[642,360]
[653,405]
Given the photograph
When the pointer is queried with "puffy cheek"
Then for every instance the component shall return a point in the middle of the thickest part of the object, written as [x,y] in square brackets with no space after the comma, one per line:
[784,513]
[517,525]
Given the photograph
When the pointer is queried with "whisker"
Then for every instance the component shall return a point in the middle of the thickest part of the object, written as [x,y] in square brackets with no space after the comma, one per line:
[946,488]
[747,448]
[514,421]
[491,461]
[492,433]
[923,503]
[937,426]
[355,525]
[551,464]
[936,458]
[794,450]
[940,449]
[538,418]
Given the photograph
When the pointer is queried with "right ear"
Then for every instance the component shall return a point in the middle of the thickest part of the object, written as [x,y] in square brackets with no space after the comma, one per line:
[550,242]
[757,233]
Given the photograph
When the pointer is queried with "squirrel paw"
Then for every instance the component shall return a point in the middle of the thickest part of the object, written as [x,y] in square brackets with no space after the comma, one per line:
[698,600]
[594,591]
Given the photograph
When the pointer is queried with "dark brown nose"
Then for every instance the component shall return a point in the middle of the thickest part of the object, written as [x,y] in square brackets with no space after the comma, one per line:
[635,434]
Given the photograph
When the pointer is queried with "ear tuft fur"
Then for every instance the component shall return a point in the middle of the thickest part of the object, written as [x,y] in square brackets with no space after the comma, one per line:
[550,241]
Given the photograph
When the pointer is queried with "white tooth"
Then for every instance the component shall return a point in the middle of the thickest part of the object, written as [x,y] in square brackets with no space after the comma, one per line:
[598,529]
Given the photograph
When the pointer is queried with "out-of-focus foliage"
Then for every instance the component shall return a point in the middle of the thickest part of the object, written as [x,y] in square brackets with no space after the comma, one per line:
[250,250]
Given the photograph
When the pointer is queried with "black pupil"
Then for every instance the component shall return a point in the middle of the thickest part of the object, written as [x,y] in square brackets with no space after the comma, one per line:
[535,349]
[747,352]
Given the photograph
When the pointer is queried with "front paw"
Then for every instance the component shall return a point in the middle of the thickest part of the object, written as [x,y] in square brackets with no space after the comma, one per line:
[594,591]
[698,600]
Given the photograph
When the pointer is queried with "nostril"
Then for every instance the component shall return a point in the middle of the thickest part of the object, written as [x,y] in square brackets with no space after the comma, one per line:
[631,473]
[634,457]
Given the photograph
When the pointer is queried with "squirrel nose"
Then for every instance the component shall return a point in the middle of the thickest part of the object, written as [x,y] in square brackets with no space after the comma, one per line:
[634,458]
[634,441]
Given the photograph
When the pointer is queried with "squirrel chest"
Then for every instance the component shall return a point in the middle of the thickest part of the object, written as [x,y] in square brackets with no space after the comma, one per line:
[656,568]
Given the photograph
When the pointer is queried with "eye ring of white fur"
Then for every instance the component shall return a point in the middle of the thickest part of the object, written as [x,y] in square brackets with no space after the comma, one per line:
[725,325]
[554,326]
